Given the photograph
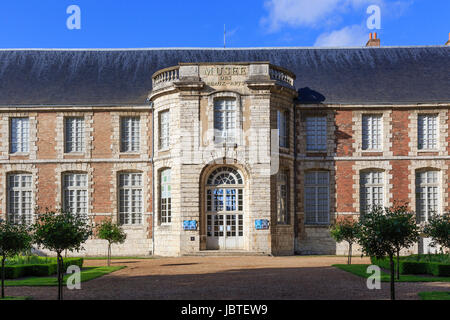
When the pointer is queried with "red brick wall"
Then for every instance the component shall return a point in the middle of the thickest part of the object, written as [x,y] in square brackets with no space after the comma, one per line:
[344,133]
[400,139]
[102,135]
[400,181]
[344,186]
[47,187]
[46,133]
[102,177]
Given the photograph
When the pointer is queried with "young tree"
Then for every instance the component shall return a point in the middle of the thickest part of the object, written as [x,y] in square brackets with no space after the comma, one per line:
[380,235]
[406,231]
[112,232]
[14,238]
[61,231]
[345,229]
[438,229]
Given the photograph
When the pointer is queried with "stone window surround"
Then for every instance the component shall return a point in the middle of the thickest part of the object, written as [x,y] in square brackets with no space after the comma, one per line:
[210,116]
[116,134]
[158,131]
[421,165]
[314,166]
[5,170]
[301,140]
[74,168]
[442,131]
[158,204]
[287,172]
[5,124]
[288,116]
[386,123]
[61,133]
[384,166]
[119,168]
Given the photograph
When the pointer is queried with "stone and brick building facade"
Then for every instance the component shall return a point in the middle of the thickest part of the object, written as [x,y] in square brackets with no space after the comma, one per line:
[198,151]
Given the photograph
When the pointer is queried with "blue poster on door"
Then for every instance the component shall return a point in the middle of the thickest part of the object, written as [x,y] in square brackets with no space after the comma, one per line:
[190,225]
[262,224]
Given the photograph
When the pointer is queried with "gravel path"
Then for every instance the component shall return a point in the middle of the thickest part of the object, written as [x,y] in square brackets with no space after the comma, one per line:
[236,278]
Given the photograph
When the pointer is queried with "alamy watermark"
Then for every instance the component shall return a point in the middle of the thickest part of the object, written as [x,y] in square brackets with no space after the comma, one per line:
[374,280]
[374,20]
[74,20]
[74,280]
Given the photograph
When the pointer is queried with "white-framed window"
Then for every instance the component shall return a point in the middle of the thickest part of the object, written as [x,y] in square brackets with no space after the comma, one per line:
[75,194]
[20,202]
[371,131]
[225,121]
[130,198]
[427,194]
[74,134]
[166,197]
[130,134]
[282,198]
[164,129]
[317,197]
[371,190]
[20,135]
[282,126]
[427,131]
[316,133]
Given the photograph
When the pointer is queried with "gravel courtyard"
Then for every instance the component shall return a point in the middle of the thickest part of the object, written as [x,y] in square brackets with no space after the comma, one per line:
[223,278]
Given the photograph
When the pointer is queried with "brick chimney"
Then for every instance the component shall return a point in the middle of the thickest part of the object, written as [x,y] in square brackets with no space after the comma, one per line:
[373,41]
[448,42]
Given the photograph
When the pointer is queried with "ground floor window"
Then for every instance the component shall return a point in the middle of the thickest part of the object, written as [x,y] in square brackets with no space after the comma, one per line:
[317,197]
[19,204]
[166,198]
[427,194]
[130,198]
[75,193]
[371,190]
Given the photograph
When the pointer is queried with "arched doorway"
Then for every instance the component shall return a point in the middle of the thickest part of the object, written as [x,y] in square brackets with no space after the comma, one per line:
[225,209]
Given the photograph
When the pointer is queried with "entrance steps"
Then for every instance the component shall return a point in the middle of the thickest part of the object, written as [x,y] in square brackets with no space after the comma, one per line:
[224,253]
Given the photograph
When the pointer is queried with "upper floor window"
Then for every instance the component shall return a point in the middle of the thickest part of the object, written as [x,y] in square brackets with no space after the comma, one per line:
[225,121]
[371,190]
[427,132]
[20,203]
[282,128]
[20,135]
[164,129]
[317,197]
[282,198]
[427,194]
[166,197]
[130,198]
[316,133]
[371,132]
[130,134]
[75,193]
[74,129]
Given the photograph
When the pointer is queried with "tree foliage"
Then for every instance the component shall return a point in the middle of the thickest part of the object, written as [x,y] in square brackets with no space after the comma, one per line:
[61,231]
[112,232]
[345,229]
[14,239]
[438,229]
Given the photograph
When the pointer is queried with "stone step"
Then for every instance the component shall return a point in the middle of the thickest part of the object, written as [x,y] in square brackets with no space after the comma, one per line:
[224,253]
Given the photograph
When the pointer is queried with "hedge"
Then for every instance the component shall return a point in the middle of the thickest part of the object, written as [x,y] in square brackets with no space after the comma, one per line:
[416,267]
[39,270]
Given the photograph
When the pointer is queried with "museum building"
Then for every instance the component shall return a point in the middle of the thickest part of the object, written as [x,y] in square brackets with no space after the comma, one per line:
[224,151]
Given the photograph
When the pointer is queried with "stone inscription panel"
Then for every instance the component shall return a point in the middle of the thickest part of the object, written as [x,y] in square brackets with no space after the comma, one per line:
[224,75]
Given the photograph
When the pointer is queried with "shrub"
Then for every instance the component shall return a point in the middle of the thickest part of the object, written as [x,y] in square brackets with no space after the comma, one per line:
[39,270]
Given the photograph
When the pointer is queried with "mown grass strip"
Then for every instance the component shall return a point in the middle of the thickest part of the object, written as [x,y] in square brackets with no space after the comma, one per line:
[435,295]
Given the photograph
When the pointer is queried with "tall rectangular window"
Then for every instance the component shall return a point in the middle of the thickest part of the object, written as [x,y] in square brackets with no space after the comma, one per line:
[316,133]
[225,121]
[427,132]
[371,132]
[371,190]
[166,197]
[317,197]
[75,193]
[164,129]
[19,204]
[130,198]
[282,128]
[74,134]
[130,134]
[427,194]
[282,198]
[20,135]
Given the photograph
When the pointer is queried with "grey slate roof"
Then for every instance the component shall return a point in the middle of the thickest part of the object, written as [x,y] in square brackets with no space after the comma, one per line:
[389,75]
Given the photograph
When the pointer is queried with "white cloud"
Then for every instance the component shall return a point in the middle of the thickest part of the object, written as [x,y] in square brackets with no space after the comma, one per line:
[351,36]
[307,13]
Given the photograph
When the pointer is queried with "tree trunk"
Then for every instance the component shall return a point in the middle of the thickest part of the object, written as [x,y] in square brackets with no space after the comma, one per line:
[350,252]
[3,277]
[398,264]
[391,260]
[60,276]
[109,254]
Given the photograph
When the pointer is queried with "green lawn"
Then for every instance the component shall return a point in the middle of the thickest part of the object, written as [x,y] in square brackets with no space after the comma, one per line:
[87,274]
[360,270]
[434,295]
[15,298]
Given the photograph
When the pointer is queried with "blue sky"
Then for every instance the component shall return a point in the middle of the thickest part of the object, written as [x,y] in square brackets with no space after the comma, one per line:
[250,23]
